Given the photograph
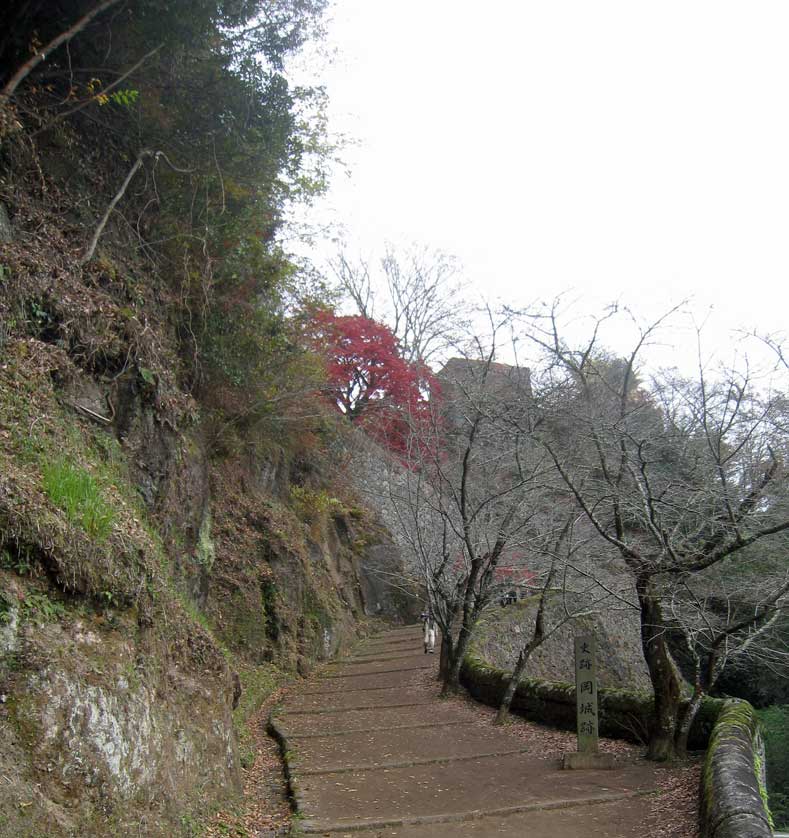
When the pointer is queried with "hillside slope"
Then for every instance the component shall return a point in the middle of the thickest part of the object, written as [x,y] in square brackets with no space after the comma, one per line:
[167,546]
[140,572]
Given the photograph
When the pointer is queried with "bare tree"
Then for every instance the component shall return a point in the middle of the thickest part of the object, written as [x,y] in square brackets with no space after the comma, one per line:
[141,157]
[722,627]
[418,292]
[679,482]
[574,595]
[468,501]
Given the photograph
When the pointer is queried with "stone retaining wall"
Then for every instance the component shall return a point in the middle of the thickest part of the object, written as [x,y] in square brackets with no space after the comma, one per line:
[622,714]
[733,790]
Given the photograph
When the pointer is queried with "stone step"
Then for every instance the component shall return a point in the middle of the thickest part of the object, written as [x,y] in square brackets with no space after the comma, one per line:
[599,817]
[396,679]
[375,657]
[399,762]
[309,723]
[372,669]
[361,660]
[354,699]
[372,748]
[353,708]
[369,749]
[415,726]
[476,784]
[438,790]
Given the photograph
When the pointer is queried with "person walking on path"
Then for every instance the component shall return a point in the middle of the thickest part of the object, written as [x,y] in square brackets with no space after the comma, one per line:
[429,625]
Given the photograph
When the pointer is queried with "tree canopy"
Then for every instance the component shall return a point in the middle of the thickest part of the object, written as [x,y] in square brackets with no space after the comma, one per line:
[182,116]
[367,378]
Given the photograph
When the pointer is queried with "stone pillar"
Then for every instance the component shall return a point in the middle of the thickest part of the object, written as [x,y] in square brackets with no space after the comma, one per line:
[586,693]
[587,755]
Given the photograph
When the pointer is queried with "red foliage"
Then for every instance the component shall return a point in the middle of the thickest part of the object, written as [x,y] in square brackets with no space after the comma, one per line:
[369,381]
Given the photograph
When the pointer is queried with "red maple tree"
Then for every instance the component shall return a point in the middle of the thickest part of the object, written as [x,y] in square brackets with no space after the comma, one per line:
[367,378]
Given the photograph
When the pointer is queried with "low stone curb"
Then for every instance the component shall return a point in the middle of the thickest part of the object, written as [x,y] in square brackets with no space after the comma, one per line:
[312,827]
[375,672]
[295,796]
[317,712]
[622,714]
[409,763]
[379,730]
[732,780]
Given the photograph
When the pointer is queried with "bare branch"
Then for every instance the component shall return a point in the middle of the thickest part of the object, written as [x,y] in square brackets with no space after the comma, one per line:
[21,74]
[141,157]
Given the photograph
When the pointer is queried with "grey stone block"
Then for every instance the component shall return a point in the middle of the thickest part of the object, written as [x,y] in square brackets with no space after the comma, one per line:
[579,760]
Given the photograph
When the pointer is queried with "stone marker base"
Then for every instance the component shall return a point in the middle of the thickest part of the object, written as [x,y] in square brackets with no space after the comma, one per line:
[582,759]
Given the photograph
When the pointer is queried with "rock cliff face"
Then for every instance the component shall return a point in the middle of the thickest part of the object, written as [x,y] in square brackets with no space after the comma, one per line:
[146,573]
[117,650]
[620,660]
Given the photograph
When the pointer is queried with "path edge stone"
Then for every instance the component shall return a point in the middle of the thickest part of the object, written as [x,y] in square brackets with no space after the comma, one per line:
[295,797]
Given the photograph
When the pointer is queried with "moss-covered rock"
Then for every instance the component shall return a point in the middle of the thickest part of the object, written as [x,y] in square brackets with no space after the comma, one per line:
[733,794]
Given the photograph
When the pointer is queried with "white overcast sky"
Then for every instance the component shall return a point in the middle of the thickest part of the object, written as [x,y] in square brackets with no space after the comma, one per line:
[626,150]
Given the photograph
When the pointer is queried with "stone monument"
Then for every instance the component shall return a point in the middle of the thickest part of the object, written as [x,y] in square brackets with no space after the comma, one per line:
[587,755]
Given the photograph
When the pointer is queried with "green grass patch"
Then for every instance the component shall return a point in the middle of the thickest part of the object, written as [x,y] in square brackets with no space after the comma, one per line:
[74,490]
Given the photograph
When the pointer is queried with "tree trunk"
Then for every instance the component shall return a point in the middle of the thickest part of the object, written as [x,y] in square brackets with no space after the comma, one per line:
[535,642]
[704,680]
[452,677]
[445,661]
[512,685]
[683,731]
[662,672]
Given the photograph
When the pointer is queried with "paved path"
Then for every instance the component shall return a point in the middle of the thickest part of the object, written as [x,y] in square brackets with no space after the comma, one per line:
[371,748]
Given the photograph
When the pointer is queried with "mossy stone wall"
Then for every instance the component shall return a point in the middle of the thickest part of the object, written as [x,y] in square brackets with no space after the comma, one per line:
[623,714]
[733,794]
[733,791]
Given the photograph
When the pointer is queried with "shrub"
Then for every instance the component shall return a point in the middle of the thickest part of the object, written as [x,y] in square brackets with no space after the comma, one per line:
[775,728]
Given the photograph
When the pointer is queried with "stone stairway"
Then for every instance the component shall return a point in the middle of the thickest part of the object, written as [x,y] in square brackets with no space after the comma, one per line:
[371,748]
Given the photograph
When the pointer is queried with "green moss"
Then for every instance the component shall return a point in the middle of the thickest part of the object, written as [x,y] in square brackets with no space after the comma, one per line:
[759,769]
[23,716]
[737,720]
[774,723]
